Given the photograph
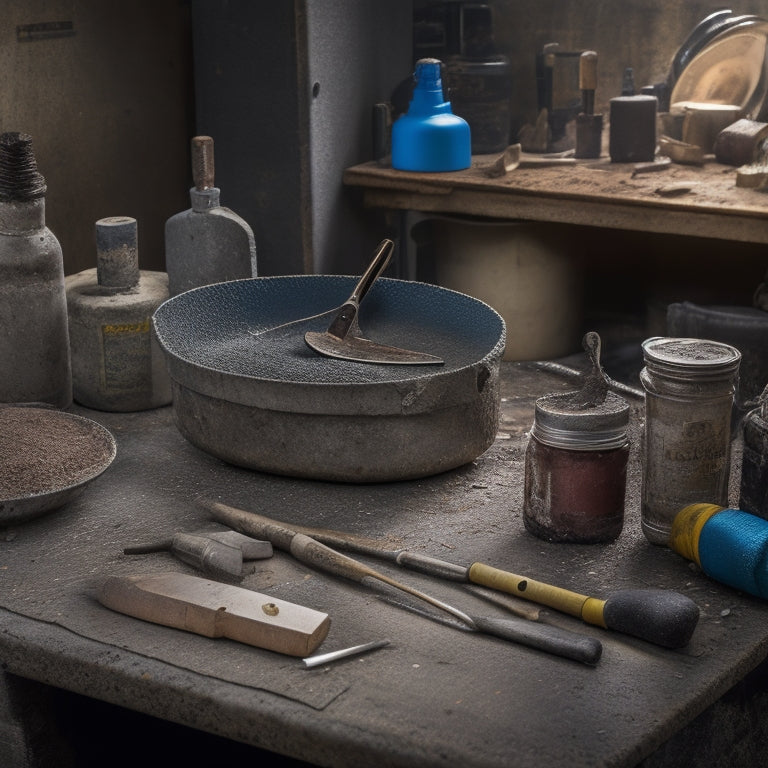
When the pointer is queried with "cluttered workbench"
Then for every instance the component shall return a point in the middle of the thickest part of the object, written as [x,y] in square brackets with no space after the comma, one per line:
[434,696]
[691,200]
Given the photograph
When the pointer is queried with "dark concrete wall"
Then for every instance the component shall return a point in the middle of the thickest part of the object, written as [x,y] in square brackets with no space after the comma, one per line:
[286,89]
[108,107]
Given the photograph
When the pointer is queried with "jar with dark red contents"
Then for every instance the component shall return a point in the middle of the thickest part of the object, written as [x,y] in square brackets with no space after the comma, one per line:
[576,469]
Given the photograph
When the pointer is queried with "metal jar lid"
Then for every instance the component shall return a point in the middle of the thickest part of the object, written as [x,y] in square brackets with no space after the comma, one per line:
[560,422]
[683,357]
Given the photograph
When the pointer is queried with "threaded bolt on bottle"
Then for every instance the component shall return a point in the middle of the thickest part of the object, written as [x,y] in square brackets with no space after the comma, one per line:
[19,178]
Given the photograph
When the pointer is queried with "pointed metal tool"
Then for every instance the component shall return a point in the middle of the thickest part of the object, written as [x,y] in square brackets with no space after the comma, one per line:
[660,616]
[308,550]
[325,658]
[344,339]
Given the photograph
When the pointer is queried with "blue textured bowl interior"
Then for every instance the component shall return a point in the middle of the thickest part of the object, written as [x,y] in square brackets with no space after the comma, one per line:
[226,327]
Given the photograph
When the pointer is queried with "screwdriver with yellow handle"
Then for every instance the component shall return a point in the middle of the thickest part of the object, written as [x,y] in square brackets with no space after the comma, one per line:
[663,617]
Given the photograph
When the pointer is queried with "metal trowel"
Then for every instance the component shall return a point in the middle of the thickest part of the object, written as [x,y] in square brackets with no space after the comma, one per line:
[344,339]
[218,553]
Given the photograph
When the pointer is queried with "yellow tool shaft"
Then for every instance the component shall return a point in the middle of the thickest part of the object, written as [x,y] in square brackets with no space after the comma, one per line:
[589,609]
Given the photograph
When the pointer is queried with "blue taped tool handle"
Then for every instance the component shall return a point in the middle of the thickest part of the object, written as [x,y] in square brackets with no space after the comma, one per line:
[733,548]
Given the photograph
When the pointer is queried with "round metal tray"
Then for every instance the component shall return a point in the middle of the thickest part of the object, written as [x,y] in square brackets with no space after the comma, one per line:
[47,457]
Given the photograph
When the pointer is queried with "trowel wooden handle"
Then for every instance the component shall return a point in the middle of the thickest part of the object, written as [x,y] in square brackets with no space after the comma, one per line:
[213,609]
[659,616]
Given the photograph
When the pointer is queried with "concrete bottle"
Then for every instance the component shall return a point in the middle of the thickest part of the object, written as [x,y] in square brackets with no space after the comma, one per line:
[34,346]
[207,243]
[117,364]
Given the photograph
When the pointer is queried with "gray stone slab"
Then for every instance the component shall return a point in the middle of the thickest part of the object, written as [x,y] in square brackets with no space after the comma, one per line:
[436,696]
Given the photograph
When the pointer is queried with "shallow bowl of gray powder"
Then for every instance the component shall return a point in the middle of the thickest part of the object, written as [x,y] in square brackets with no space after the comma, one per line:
[47,457]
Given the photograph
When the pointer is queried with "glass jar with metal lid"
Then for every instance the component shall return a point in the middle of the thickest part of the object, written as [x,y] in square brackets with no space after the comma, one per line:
[689,391]
[576,468]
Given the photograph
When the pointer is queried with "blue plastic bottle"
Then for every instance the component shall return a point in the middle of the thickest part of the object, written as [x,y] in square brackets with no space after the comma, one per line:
[429,137]
[729,545]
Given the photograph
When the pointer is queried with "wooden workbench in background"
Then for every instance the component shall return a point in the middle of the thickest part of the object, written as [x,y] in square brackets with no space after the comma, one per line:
[699,201]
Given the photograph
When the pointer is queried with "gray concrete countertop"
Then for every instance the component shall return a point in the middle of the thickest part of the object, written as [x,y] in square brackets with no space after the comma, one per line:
[436,696]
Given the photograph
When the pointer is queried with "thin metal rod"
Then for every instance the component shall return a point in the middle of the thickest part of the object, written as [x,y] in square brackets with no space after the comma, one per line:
[325,658]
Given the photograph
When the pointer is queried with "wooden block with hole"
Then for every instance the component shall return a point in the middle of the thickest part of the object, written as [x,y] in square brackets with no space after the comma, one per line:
[214,609]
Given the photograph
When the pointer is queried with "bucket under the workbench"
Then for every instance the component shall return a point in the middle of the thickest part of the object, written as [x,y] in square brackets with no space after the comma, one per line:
[528,272]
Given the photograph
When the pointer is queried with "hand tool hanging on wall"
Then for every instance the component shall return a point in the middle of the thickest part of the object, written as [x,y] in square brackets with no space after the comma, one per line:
[659,616]
[589,126]
[312,552]
[212,609]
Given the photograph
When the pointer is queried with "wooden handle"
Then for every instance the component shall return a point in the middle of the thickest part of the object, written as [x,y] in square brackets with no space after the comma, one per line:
[307,550]
[202,162]
[213,609]
[536,591]
[256,525]
[588,71]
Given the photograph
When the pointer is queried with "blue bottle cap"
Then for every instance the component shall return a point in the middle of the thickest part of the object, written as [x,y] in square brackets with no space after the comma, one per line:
[429,137]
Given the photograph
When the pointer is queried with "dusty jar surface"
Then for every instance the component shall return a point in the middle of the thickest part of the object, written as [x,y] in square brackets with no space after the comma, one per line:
[689,386]
[576,470]
[575,496]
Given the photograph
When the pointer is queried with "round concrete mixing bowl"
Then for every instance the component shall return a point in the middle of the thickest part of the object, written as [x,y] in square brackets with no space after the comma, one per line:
[262,399]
